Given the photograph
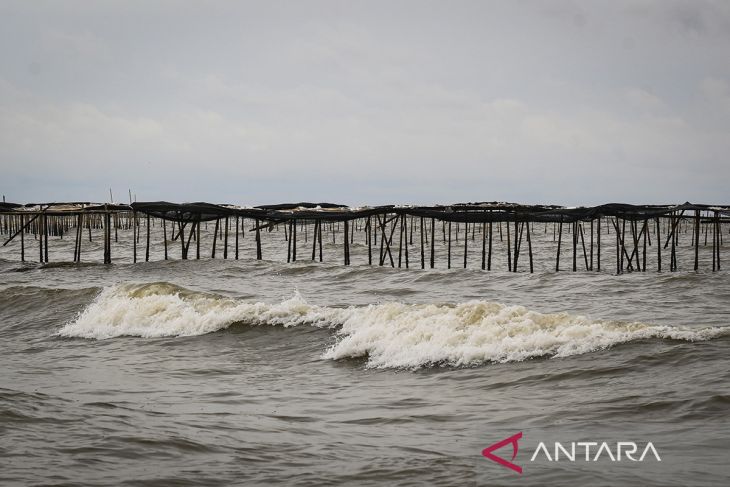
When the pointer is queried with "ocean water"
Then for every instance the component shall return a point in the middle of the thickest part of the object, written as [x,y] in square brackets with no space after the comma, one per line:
[217,372]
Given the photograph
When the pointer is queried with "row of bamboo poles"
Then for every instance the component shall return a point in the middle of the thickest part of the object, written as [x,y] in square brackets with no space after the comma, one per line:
[631,237]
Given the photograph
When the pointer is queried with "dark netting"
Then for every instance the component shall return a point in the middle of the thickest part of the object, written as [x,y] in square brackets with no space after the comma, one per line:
[4,206]
[108,207]
[188,212]
[293,206]
[480,212]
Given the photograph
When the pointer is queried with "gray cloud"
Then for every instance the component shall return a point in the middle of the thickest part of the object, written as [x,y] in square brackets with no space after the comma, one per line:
[371,102]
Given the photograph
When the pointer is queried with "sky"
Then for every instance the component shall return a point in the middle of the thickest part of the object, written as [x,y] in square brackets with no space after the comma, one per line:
[366,102]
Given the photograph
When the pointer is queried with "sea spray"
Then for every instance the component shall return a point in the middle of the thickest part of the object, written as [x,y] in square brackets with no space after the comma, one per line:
[477,332]
[390,335]
[166,310]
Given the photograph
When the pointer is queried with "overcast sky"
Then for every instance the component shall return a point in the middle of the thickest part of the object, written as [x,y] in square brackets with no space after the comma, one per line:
[366,102]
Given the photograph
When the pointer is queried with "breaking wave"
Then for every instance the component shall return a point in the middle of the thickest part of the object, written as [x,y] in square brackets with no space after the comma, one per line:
[395,334]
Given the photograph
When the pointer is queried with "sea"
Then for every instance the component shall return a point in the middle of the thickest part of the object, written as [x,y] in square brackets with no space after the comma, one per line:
[262,372]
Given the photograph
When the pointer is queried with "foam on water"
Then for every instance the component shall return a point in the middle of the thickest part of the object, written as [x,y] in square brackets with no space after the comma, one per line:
[164,309]
[390,334]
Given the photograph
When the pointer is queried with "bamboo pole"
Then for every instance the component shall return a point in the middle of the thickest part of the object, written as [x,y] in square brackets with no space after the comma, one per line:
[484,245]
[449,249]
[560,240]
[215,237]
[433,239]
[529,247]
[134,237]
[225,239]
[164,236]
[147,250]
[237,237]
[423,250]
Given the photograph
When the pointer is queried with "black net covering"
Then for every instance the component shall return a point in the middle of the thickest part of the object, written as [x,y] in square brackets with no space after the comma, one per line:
[184,212]
[461,212]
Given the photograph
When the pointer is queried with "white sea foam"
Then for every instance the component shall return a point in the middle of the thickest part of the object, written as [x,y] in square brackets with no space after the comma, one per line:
[163,309]
[389,335]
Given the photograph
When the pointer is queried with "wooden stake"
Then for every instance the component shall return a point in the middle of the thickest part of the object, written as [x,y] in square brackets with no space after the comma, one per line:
[164,235]
[591,268]
[319,238]
[466,239]
[225,239]
[134,237]
[22,237]
[449,249]
[197,239]
[258,241]
[529,247]
[598,244]
[369,227]
[147,250]
[433,238]
[560,240]
[509,249]
[45,237]
[215,237]
[658,246]
[484,245]
[423,251]
[346,242]
[697,239]
[314,240]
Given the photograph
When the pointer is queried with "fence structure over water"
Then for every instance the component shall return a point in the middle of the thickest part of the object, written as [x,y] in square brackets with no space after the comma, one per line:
[388,231]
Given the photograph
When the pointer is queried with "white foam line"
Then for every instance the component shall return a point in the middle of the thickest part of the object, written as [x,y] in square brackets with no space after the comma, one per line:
[390,335]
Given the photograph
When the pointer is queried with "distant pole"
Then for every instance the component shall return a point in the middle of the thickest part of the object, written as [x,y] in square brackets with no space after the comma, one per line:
[509,247]
[449,249]
[466,239]
[225,239]
[598,244]
[560,240]
[489,254]
[197,239]
[529,247]
[484,245]
[22,235]
[433,238]
[697,238]
[319,240]
[134,236]
[591,268]
[423,250]
[369,227]
[147,249]
[236,237]
[258,240]
[314,240]
[164,235]
[294,241]
[215,237]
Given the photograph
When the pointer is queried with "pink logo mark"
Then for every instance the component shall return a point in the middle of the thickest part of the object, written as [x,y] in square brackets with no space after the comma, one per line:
[487,452]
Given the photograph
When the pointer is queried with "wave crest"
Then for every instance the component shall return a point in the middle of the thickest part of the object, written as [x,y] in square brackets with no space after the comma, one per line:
[392,334]
[163,309]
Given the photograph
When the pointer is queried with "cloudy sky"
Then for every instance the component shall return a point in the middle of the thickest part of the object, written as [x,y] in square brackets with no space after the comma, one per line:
[366,102]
